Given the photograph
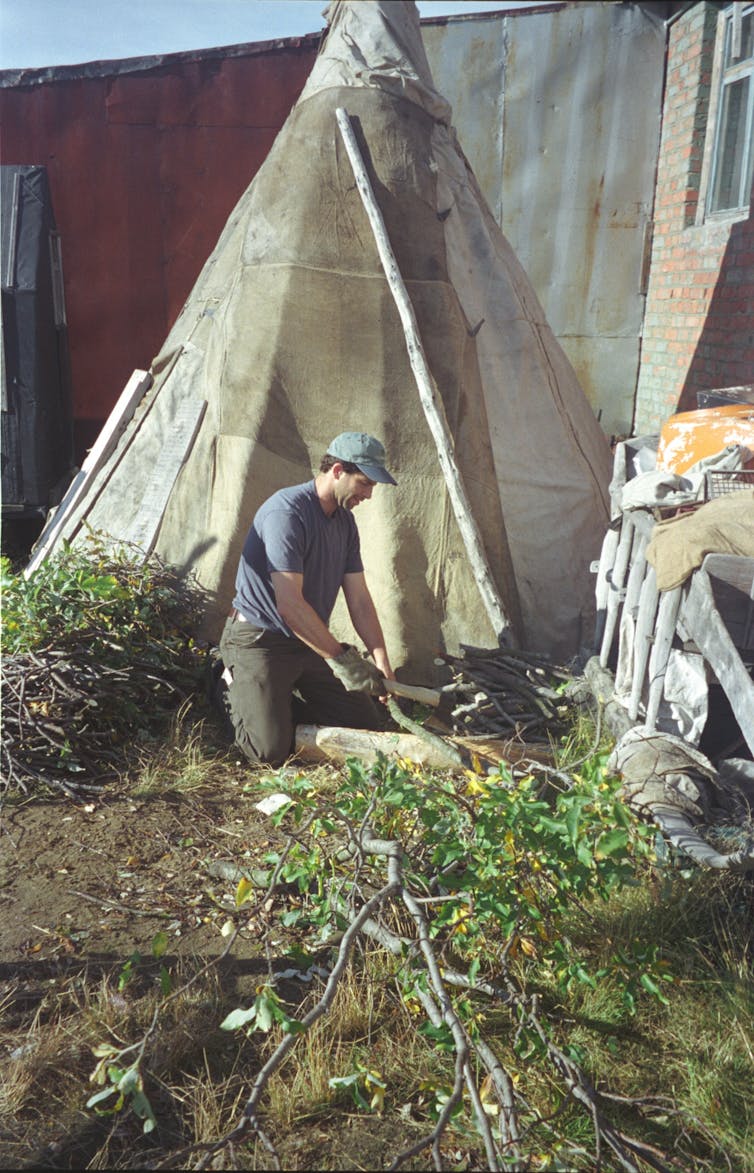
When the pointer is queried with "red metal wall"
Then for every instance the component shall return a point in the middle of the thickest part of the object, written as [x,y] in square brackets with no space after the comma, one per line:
[146,160]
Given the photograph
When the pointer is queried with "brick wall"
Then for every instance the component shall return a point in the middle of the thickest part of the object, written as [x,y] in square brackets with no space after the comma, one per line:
[699,320]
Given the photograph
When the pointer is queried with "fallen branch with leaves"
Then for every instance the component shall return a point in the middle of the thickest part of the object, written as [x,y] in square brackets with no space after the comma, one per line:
[467,907]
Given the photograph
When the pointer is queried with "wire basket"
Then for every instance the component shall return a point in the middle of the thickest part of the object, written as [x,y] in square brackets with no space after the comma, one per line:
[718,482]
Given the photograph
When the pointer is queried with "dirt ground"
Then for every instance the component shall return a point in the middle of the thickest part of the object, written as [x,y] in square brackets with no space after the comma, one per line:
[98,880]
[87,885]
[83,886]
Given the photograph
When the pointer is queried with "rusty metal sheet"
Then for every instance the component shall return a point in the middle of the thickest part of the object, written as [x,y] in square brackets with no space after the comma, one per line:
[559,116]
[557,111]
[145,166]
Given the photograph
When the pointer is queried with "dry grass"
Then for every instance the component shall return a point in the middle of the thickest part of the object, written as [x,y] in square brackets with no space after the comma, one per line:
[698,1051]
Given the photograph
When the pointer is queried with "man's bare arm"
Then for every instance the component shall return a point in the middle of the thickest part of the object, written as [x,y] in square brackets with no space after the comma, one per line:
[300,616]
[364,618]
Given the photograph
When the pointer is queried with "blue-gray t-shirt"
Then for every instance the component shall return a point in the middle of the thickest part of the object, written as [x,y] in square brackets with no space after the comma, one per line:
[292,532]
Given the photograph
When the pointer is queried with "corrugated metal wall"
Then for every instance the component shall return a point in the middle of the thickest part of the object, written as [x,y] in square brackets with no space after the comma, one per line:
[559,116]
[146,160]
[557,110]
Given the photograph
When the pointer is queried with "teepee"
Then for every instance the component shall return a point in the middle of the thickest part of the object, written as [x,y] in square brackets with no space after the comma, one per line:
[293,333]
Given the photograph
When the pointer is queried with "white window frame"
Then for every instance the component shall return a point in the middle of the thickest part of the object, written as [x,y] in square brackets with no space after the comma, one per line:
[722,77]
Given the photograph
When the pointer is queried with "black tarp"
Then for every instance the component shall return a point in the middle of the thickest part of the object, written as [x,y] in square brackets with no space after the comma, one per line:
[36,417]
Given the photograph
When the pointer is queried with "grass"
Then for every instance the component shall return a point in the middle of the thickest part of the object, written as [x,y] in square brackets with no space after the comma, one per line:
[691,1056]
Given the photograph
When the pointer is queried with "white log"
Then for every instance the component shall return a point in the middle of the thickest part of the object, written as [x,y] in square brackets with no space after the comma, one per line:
[320,742]
[667,614]
[317,742]
[602,586]
[645,622]
[428,393]
[616,578]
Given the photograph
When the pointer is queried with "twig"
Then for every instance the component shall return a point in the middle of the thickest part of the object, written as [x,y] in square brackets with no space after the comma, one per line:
[104,903]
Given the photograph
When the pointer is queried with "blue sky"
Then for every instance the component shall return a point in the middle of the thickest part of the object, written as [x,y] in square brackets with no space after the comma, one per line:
[36,33]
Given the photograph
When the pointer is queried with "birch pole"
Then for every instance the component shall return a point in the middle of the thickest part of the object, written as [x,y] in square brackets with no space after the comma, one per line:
[428,394]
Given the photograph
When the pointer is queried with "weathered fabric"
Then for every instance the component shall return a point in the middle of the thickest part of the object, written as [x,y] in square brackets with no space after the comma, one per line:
[291,335]
[680,544]
[666,779]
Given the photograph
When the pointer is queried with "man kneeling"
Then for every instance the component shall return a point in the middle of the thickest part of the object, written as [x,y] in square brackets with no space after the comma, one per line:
[284,665]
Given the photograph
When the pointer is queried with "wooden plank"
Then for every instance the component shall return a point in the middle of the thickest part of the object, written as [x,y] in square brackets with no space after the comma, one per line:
[636,573]
[616,580]
[705,626]
[119,417]
[428,394]
[618,481]
[636,576]
[732,579]
[185,425]
[734,569]
[602,585]
[645,624]
[667,614]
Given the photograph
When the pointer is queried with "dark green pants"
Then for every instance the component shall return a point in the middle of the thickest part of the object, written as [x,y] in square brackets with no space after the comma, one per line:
[268,668]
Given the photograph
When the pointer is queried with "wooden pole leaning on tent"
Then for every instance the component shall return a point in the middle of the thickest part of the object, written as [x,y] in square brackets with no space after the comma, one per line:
[428,393]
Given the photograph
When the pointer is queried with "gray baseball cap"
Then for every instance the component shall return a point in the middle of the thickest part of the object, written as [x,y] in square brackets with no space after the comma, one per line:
[365,452]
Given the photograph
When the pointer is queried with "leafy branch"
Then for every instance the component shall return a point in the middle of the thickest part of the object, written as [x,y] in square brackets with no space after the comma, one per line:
[486,878]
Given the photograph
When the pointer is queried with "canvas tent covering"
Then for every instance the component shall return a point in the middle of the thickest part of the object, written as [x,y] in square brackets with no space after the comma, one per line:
[291,335]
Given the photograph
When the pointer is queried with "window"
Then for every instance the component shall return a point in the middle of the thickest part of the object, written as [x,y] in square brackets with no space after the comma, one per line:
[733,152]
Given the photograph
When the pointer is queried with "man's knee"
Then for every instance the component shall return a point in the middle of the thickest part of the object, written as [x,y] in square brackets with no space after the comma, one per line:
[257,753]
[263,746]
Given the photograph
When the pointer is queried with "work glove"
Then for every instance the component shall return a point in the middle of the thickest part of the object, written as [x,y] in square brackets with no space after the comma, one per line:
[355,673]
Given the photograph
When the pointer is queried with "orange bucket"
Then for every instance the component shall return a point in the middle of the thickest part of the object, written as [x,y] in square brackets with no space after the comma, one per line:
[690,436]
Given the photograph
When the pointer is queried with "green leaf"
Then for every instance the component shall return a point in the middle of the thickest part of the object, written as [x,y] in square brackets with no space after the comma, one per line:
[652,988]
[584,855]
[572,824]
[238,1018]
[611,842]
[130,1081]
[265,1012]
[344,1080]
[160,942]
[293,1026]
[98,1097]
[143,1110]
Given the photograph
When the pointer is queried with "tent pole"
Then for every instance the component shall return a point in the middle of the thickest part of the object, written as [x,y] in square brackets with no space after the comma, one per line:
[428,394]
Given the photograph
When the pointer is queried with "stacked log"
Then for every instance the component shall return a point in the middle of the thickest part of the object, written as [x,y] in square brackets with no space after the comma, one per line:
[496,692]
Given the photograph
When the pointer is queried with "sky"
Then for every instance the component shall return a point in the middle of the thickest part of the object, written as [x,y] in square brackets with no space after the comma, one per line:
[36,33]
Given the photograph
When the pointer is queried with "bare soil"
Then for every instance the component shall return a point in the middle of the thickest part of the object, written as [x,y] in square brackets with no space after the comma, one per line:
[95,881]
[83,887]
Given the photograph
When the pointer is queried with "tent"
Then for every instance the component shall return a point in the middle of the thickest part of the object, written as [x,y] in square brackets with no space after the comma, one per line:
[292,335]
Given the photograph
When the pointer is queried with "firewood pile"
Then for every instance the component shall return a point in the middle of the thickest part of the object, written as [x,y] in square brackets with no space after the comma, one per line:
[501,693]
[95,654]
[67,715]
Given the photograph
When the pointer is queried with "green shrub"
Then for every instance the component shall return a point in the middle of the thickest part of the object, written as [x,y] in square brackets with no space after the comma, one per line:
[97,644]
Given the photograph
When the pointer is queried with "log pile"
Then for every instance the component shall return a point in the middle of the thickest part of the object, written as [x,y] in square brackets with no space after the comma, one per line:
[496,692]
[95,651]
[66,716]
